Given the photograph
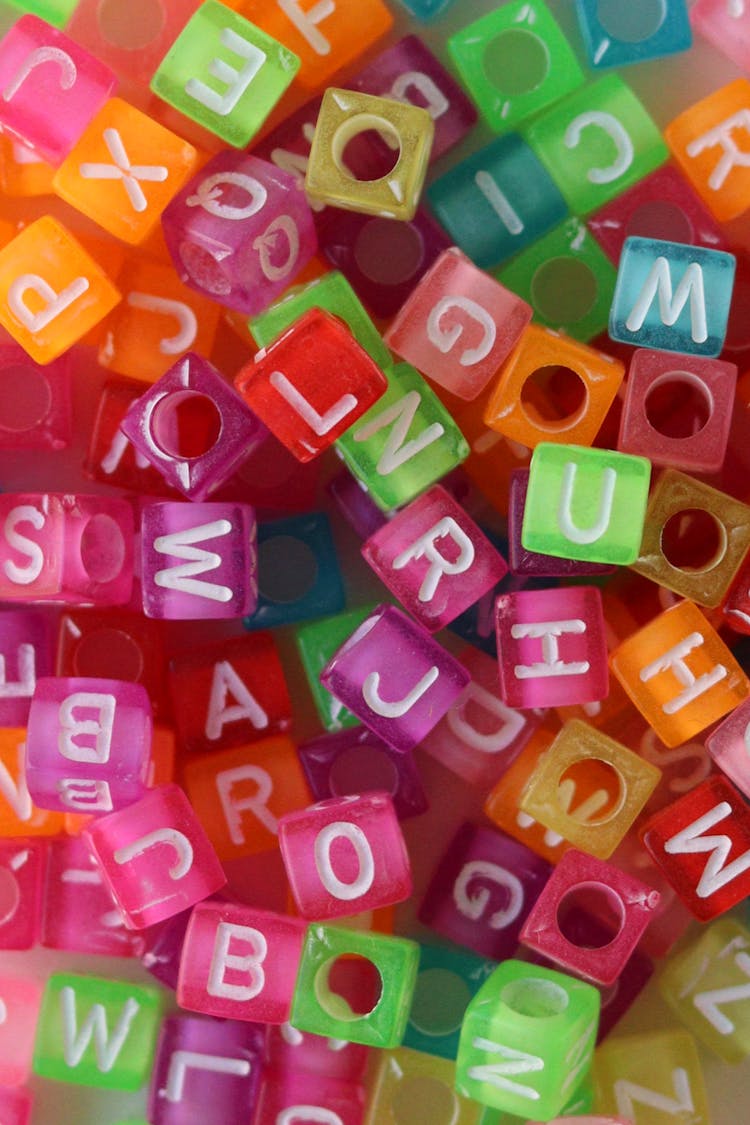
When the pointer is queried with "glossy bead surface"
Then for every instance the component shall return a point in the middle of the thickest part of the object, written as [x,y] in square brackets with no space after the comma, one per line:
[36,410]
[408,1083]
[652,1069]
[289,1051]
[316,644]
[18,814]
[111,458]
[727,28]
[728,746]
[287,1096]
[21,997]
[23,865]
[26,646]
[616,39]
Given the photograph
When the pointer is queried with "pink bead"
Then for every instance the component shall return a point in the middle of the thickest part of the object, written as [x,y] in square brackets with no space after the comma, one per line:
[291,1051]
[729,746]
[458,326]
[240,231]
[192,427]
[240,963]
[671,918]
[551,647]
[52,88]
[345,856]
[726,26]
[15,1107]
[66,548]
[27,651]
[155,857]
[394,677]
[198,560]
[434,558]
[480,736]
[22,873]
[88,744]
[20,999]
[36,411]
[631,900]
[295,1097]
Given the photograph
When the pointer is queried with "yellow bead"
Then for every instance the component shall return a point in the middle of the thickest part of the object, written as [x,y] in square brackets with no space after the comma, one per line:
[412,1088]
[652,1079]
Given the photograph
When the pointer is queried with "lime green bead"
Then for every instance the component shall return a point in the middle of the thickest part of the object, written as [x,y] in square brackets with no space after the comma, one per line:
[317,1009]
[97,1032]
[316,644]
[527,1040]
[581,1103]
[55,12]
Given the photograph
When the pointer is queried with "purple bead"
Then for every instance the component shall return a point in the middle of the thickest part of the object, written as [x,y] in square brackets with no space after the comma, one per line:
[357,761]
[291,1051]
[36,410]
[162,948]
[206,1071]
[354,503]
[198,560]
[193,427]
[22,872]
[482,891]
[240,231]
[394,677]
[27,652]
[88,744]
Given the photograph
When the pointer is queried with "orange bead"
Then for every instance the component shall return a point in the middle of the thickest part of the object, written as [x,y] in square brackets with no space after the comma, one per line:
[124,171]
[22,172]
[161,769]
[492,457]
[18,816]
[553,389]
[51,291]
[710,141]
[679,673]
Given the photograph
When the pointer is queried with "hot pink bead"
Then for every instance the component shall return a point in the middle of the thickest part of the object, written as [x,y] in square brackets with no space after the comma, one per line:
[671,918]
[551,647]
[394,677]
[22,875]
[482,890]
[729,746]
[726,25]
[36,410]
[240,231]
[198,560]
[193,427]
[20,998]
[52,88]
[240,963]
[458,326]
[345,856]
[434,558]
[532,564]
[27,651]
[155,857]
[355,504]
[613,891]
[66,548]
[297,1097]
[15,1107]
[291,1051]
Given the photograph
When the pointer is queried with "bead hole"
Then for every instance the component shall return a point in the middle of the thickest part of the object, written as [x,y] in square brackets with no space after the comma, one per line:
[440,1002]
[657,218]
[362,769]
[287,569]
[25,398]
[516,62]
[554,397]
[186,425]
[348,987]
[366,147]
[108,654]
[694,541]
[591,791]
[564,291]
[419,1100]
[389,252]
[102,548]
[590,915]
[631,21]
[678,404]
[535,997]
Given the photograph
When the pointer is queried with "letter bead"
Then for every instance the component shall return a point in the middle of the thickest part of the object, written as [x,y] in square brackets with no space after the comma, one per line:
[20,999]
[414,1083]
[23,866]
[288,1097]
[729,747]
[652,1074]
[27,653]
[725,25]
[618,39]
[533,563]
[36,408]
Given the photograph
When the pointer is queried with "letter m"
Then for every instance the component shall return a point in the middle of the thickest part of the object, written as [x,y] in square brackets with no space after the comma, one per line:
[690,288]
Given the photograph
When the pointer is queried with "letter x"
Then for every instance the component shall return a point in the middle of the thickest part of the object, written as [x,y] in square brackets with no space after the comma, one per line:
[122,170]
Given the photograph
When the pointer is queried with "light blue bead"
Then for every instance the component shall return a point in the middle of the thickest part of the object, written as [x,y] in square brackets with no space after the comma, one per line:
[446,981]
[672,297]
[622,32]
[426,9]
[497,201]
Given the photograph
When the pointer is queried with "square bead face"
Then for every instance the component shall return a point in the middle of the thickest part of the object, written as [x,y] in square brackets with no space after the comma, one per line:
[725,25]
[661,298]
[446,982]
[20,998]
[316,644]
[23,864]
[615,37]
[409,1082]
[664,1064]
[255,71]
[551,647]
[532,563]
[316,1095]
[458,326]
[27,650]
[598,499]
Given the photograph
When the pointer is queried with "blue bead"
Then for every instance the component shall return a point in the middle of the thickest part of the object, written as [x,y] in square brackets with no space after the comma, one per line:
[622,32]
[446,981]
[497,201]
[672,297]
[426,9]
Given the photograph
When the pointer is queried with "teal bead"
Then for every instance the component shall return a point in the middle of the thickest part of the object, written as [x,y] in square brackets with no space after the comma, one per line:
[446,981]
[618,33]
[316,644]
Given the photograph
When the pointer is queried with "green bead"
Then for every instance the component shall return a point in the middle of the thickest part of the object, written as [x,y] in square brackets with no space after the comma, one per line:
[97,1032]
[334,294]
[234,106]
[515,61]
[316,644]
[596,143]
[317,1009]
[582,1102]
[587,504]
[404,443]
[446,981]
[527,1040]
[567,279]
[56,12]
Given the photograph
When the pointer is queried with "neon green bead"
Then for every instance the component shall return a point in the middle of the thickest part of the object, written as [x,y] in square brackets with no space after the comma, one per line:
[316,644]
[56,12]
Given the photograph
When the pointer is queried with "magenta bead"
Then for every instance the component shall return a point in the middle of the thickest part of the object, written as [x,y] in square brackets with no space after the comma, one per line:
[22,878]
[52,88]
[206,1071]
[291,1051]
[20,999]
[198,560]
[531,564]
[434,558]
[301,1098]
[224,431]
[355,504]
[482,891]
[615,892]
[36,410]
[15,1106]
[27,651]
[551,647]
[394,677]
[162,948]
[155,857]
[240,231]
[240,963]
[458,326]
[729,746]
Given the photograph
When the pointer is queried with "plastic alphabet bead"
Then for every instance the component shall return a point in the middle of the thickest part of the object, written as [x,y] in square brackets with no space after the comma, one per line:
[551,647]
[318,1009]
[240,963]
[527,1040]
[653,1073]
[394,677]
[291,1097]
[97,1032]
[207,1070]
[728,746]
[299,572]
[15,1106]
[515,62]
[20,997]
[482,891]
[291,1051]
[408,1084]
[702,844]
[724,25]
[240,231]
[198,560]
[532,563]
[111,458]
[26,647]
[616,37]
[18,814]
[446,982]
[608,888]
[661,298]
[316,644]
[458,326]
[22,871]
[155,857]
[434,558]
[250,68]
[36,411]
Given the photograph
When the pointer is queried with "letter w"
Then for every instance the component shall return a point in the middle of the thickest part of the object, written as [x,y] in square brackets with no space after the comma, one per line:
[690,841]
[178,544]
[94,1027]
